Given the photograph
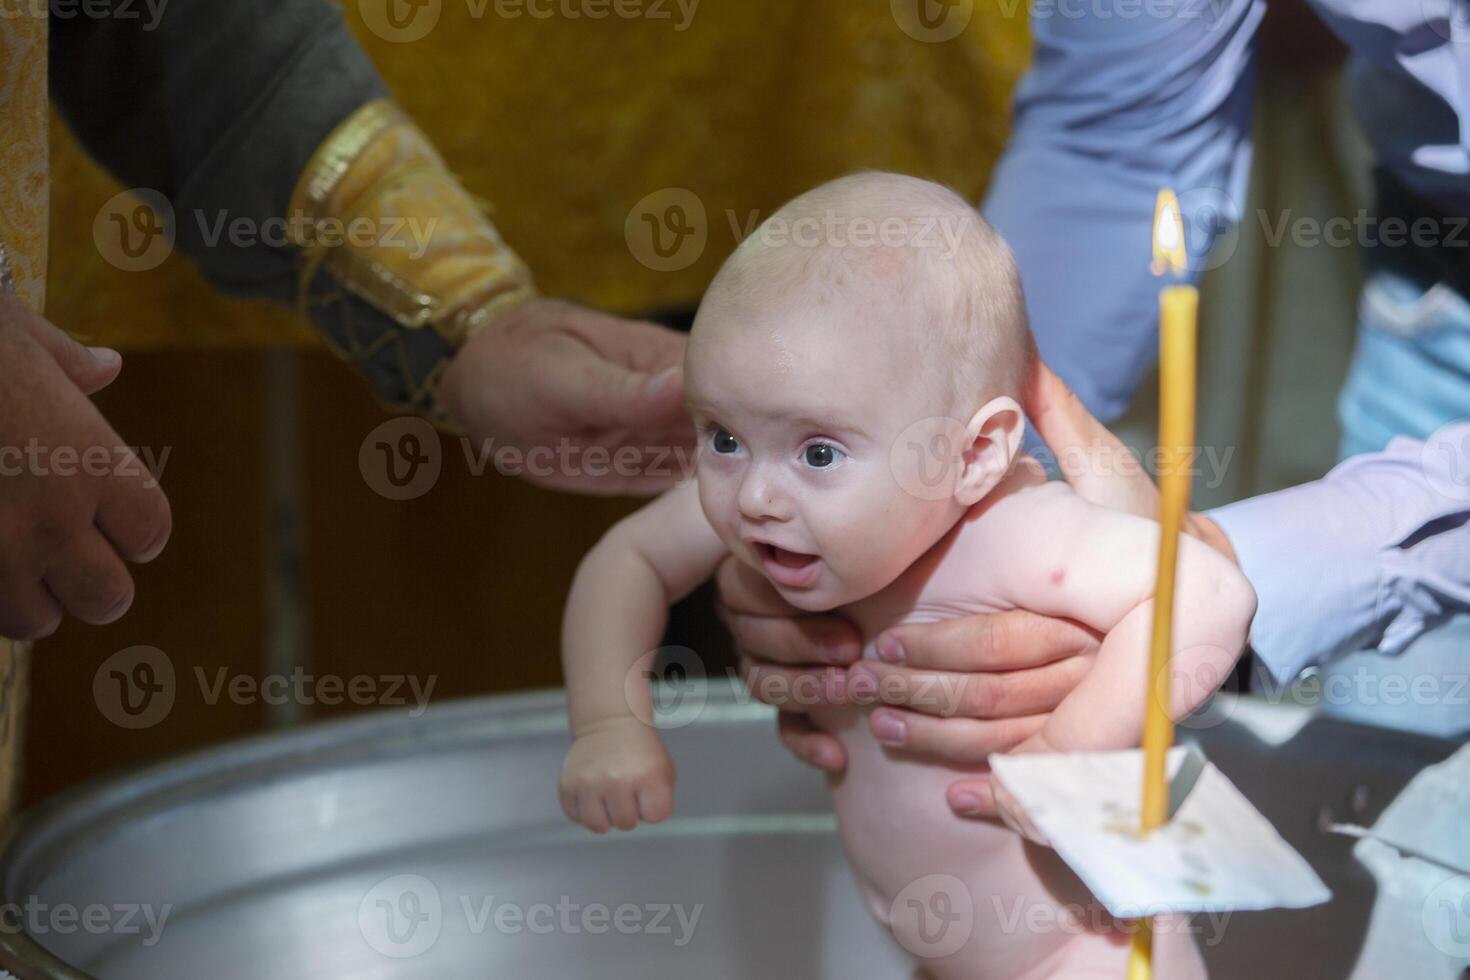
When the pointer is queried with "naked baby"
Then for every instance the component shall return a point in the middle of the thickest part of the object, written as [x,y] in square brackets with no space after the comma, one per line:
[856,396]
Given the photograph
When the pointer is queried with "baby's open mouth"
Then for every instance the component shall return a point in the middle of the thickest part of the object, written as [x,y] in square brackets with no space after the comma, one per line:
[789,568]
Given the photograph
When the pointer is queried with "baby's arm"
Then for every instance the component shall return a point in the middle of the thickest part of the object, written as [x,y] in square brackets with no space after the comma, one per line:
[1077,560]
[617,771]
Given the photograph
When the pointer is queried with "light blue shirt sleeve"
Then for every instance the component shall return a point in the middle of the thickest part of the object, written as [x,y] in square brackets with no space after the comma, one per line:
[1118,104]
[1112,109]
[1368,557]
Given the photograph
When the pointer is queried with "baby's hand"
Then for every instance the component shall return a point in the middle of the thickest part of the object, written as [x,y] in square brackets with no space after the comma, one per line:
[616,775]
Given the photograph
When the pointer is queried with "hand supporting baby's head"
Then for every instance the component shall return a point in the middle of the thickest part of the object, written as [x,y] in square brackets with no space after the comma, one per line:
[854,370]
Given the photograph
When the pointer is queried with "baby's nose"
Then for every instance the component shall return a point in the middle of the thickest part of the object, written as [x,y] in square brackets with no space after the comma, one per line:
[762,498]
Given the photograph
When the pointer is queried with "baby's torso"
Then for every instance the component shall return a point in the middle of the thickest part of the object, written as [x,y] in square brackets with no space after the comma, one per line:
[897,827]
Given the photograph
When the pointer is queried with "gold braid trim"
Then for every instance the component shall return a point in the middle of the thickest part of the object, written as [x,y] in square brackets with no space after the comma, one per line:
[377,210]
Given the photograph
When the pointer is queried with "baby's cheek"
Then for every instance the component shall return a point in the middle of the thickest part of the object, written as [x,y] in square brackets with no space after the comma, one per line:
[717,504]
[860,567]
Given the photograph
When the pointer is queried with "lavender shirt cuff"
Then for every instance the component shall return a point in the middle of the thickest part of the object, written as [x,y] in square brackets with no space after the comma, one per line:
[1368,557]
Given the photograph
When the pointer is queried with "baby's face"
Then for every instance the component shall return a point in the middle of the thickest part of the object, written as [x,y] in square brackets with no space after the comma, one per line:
[798,416]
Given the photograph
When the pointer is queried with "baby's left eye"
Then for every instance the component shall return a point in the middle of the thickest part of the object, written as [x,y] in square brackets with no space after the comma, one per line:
[821,455]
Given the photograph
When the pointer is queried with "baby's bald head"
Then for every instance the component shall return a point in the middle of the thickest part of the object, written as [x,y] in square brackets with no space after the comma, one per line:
[886,251]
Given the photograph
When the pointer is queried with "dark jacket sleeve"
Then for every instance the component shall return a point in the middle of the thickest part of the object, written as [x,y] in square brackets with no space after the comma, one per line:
[218,105]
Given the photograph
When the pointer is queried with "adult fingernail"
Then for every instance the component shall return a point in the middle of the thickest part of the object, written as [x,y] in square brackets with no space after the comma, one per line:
[660,381]
[967,802]
[889,728]
[104,356]
[890,649]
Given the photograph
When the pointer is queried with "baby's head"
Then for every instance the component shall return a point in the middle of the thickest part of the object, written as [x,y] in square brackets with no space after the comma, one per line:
[854,373]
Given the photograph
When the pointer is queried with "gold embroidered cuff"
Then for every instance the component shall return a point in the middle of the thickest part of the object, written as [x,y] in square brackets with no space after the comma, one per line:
[400,265]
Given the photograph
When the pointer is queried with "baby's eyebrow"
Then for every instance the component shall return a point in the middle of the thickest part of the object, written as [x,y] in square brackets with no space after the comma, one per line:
[830,425]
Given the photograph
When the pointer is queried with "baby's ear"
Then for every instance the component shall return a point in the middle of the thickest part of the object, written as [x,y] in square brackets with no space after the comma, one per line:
[994,437]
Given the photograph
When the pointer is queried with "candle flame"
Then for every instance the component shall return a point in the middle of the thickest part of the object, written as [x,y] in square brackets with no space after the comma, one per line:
[1169,252]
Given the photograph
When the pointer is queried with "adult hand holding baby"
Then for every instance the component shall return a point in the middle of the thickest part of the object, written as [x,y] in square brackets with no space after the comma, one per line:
[953,691]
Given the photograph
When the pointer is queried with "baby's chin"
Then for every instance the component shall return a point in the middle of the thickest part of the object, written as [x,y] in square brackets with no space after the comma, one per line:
[823,596]
[814,600]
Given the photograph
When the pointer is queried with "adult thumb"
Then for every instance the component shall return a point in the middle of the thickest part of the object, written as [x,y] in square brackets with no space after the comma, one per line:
[1093,461]
[1059,415]
[89,368]
[628,399]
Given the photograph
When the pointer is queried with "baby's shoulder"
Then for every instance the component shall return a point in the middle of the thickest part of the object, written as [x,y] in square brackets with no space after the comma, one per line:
[1015,514]
[1025,495]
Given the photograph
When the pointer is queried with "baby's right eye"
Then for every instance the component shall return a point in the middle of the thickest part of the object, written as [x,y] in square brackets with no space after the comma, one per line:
[724,443]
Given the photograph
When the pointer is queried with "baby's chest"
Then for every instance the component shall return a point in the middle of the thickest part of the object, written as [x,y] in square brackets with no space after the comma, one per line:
[950,588]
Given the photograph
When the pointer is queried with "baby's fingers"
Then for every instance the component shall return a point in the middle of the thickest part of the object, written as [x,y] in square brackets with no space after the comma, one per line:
[592,811]
[622,806]
[655,800]
[568,797]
